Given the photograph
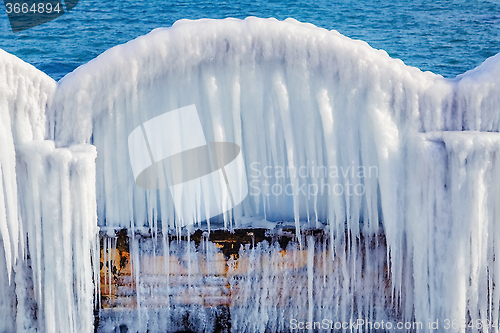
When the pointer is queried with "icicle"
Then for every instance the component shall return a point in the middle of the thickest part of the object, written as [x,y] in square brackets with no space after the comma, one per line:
[109,263]
[166,254]
[105,261]
[310,278]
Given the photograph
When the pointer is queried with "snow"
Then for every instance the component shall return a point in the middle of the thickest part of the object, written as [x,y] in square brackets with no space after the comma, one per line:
[314,113]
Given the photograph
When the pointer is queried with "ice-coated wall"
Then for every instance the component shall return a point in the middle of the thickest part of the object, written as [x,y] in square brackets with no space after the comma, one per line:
[453,225]
[291,95]
[24,94]
[57,196]
[48,221]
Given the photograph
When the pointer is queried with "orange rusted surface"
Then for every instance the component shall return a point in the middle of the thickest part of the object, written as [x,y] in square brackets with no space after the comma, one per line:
[212,279]
[206,284]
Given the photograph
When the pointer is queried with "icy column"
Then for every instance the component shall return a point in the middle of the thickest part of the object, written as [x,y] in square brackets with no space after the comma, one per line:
[57,194]
[24,94]
[454,226]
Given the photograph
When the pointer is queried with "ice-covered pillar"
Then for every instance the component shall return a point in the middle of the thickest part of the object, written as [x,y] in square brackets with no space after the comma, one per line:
[24,94]
[454,227]
[57,198]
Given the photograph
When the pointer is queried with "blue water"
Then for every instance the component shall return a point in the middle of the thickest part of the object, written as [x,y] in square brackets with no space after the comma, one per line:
[445,37]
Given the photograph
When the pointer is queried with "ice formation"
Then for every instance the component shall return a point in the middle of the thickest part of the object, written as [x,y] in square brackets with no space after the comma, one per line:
[363,143]
[48,217]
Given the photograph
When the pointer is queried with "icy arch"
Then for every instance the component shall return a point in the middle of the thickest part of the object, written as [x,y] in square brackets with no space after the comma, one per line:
[290,94]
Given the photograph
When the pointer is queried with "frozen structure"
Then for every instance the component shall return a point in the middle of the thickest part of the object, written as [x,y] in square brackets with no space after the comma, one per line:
[334,134]
[48,222]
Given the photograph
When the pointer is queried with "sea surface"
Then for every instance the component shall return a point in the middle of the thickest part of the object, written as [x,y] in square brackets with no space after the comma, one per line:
[445,37]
